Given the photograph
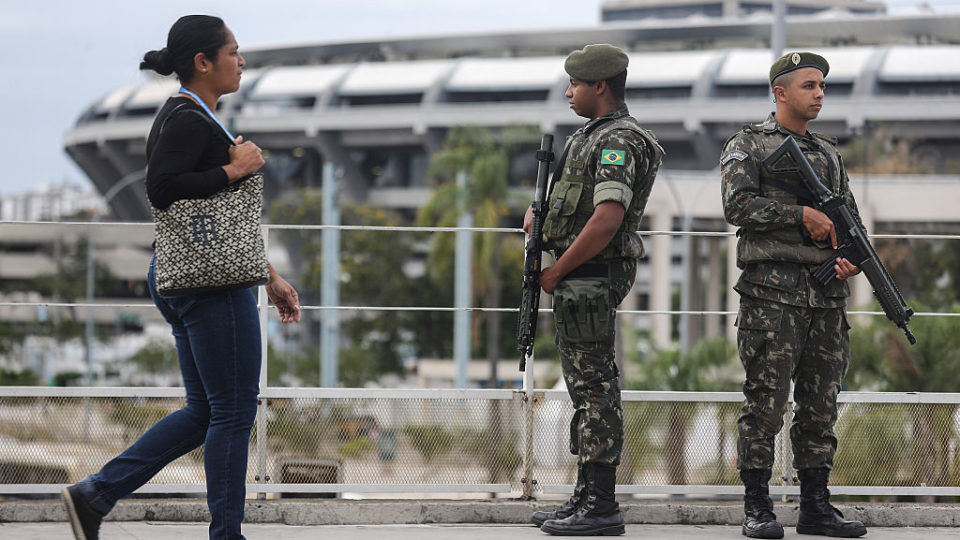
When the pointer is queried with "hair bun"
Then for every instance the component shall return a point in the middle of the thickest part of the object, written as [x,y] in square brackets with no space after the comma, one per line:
[160,61]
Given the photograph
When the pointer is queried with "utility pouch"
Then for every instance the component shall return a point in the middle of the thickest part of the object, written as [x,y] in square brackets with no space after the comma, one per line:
[564,200]
[583,311]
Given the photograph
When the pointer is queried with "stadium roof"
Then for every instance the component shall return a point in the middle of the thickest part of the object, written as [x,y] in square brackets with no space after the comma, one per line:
[829,28]
[342,98]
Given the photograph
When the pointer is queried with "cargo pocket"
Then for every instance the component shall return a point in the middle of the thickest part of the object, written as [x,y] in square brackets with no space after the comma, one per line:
[582,310]
[759,317]
[563,205]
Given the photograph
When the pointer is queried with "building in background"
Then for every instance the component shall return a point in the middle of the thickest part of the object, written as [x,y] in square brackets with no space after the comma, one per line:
[633,10]
[51,203]
[379,109]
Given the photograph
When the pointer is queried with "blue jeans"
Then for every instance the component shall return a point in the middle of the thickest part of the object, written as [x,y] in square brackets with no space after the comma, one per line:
[218,348]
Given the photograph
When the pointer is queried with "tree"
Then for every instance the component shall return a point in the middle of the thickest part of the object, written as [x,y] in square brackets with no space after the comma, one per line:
[883,361]
[156,357]
[486,161]
[372,273]
[881,152]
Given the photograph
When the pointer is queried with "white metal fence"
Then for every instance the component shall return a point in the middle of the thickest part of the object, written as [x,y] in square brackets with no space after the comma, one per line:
[464,441]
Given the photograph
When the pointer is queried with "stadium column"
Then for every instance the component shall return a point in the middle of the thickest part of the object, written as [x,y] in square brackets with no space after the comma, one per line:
[330,280]
[660,263]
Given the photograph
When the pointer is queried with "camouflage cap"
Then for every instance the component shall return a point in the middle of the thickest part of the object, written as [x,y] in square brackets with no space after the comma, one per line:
[796,60]
[596,62]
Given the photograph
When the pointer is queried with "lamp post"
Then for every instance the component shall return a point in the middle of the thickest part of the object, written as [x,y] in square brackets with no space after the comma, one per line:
[107,197]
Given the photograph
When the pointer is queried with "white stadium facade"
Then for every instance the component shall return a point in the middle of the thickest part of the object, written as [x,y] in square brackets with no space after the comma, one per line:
[379,109]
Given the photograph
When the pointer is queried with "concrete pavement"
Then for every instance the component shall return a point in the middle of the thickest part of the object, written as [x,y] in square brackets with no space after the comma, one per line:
[313,512]
[147,530]
[296,519]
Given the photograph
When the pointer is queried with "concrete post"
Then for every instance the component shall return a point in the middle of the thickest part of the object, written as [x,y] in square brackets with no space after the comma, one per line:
[330,281]
[660,257]
[461,294]
[714,287]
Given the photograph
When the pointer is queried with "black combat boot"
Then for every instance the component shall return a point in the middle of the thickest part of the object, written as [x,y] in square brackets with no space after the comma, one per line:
[817,515]
[759,520]
[566,508]
[598,513]
[83,518]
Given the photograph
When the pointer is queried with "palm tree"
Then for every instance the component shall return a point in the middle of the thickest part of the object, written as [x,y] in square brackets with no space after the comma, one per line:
[486,161]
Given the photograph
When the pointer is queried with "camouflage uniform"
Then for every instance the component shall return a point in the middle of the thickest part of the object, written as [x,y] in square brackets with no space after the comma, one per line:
[610,159]
[789,326]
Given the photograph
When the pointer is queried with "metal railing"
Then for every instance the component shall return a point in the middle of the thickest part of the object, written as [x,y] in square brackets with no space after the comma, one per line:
[466,441]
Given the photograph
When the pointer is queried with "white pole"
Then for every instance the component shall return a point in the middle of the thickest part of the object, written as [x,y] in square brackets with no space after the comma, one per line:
[330,278]
[778,37]
[461,293]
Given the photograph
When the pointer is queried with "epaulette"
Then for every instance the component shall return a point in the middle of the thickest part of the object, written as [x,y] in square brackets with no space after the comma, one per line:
[830,140]
[755,128]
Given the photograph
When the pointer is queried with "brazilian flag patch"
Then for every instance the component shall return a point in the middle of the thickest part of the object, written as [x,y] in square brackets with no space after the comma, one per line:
[611,157]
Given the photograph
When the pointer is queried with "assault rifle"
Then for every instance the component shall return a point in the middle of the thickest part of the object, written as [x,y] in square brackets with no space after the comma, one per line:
[530,301]
[852,241]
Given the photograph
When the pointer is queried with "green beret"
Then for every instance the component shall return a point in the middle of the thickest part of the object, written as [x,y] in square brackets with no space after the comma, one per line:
[596,62]
[796,60]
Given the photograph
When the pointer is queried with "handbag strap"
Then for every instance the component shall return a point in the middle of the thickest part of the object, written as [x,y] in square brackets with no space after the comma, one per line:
[187,91]
[194,111]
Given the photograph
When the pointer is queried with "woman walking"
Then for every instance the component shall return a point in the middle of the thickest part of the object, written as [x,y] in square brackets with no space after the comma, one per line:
[190,155]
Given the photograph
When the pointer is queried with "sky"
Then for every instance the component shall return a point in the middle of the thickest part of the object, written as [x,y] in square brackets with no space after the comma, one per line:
[59,57]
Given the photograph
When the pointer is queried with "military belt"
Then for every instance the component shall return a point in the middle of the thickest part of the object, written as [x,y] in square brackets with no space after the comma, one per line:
[589,270]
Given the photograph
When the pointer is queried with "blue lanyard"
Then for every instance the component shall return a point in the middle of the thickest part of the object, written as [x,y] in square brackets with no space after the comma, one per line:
[183,90]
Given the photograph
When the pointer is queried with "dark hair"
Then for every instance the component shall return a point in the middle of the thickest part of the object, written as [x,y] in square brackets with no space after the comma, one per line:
[191,34]
[784,80]
[618,85]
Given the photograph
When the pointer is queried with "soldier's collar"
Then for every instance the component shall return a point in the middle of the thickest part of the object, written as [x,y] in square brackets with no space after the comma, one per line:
[619,112]
[771,125]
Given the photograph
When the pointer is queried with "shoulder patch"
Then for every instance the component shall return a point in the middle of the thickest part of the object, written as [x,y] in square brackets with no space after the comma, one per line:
[738,155]
[612,157]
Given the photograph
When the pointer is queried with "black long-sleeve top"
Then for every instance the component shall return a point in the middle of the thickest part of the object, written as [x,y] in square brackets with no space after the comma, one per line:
[185,160]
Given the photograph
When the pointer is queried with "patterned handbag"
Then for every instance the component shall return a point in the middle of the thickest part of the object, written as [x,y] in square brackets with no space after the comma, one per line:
[213,243]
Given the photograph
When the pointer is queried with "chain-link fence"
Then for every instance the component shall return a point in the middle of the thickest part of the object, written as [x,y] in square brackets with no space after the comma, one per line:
[459,441]
[334,441]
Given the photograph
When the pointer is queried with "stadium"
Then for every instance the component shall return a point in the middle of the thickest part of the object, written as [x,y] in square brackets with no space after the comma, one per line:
[378,110]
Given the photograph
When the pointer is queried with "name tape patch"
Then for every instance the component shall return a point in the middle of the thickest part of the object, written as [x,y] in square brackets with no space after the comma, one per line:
[738,155]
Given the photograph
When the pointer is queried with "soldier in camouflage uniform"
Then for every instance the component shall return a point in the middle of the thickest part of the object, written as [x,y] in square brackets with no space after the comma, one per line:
[597,197]
[789,326]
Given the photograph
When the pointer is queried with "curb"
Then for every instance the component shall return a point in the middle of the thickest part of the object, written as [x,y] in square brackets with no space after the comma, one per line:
[395,512]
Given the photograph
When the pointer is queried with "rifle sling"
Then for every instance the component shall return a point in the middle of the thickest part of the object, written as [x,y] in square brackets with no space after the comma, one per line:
[800,191]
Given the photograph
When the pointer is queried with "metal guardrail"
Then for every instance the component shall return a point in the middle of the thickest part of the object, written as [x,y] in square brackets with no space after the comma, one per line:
[463,441]
[404,441]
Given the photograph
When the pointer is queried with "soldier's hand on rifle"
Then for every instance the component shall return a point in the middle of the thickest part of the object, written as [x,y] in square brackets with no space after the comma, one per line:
[819,225]
[549,278]
[845,268]
[528,220]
